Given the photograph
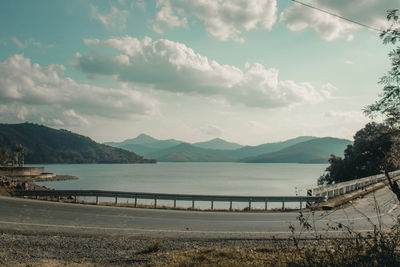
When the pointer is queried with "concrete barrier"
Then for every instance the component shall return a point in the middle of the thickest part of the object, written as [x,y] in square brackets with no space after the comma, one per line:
[21,171]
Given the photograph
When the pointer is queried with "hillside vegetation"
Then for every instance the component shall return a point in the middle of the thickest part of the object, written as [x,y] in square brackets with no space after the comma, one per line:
[46,145]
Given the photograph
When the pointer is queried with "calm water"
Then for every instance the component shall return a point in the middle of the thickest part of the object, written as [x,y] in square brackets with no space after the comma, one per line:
[192,178]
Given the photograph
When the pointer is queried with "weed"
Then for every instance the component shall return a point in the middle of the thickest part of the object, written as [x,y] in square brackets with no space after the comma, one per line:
[155,246]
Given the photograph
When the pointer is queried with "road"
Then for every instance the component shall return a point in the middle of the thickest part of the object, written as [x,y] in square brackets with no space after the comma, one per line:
[42,216]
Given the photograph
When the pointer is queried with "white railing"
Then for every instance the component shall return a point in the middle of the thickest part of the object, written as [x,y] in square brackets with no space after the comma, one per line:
[334,190]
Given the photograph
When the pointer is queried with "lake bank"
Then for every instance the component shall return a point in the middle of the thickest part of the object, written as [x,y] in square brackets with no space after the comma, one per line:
[9,184]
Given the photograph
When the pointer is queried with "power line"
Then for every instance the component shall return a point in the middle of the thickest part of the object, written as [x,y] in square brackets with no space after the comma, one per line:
[338,16]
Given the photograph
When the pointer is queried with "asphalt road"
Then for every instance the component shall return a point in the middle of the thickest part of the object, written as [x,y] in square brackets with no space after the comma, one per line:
[42,216]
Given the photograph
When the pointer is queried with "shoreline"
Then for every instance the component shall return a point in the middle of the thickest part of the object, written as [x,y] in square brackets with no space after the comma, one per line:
[9,184]
[61,177]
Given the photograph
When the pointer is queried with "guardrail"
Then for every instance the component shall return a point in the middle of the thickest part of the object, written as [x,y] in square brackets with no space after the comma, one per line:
[334,190]
[173,197]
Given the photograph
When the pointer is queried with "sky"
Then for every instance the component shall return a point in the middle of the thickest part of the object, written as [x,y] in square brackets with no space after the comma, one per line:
[247,71]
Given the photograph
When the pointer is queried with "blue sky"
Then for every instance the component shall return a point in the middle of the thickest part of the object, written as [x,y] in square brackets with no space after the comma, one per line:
[250,71]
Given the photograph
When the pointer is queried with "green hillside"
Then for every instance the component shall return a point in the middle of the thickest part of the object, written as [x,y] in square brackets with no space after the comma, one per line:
[313,151]
[188,153]
[218,143]
[250,151]
[214,150]
[139,140]
[47,145]
[144,144]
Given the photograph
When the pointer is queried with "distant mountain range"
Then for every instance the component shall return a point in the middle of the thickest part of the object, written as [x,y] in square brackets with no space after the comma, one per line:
[218,143]
[303,149]
[312,151]
[46,145]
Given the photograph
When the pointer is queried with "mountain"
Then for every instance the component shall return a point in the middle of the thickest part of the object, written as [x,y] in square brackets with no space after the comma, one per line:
[139,140]
[144,149]
[218,143]
[218,150]
[144,144]
[250,151]
[46,145]
[189,153]
[316,150]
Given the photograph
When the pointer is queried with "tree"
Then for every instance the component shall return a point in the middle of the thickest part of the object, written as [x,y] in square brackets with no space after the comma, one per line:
[365,157]
[5,156]
[389,103]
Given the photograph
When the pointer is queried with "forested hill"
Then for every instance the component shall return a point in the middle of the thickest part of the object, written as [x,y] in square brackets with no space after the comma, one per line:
[46,145]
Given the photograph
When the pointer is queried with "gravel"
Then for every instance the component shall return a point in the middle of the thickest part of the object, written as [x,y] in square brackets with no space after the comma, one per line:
[38,249]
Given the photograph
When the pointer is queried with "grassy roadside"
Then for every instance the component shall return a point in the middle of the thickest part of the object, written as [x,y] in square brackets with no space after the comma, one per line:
[38,250]
[383,251]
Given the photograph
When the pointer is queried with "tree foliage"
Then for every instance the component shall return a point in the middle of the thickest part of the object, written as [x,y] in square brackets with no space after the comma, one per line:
[376,147]
[389,103]
[365,157]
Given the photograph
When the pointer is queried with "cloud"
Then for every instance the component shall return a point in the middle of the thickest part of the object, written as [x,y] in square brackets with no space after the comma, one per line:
[173,67]
[141,4]
[72,116]
[347,116]
[211,130]
[18,43]
[26,43]
[223,20]
[115,19]
[42,93]
[370,12]
[165,17]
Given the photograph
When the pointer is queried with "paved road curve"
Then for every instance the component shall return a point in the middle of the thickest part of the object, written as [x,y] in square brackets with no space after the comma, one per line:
[33,215]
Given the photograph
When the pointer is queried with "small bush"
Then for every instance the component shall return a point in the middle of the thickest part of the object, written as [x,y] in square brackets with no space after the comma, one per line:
[155,246]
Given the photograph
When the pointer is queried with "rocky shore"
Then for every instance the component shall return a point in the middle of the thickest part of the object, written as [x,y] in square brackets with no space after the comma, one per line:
[9,184]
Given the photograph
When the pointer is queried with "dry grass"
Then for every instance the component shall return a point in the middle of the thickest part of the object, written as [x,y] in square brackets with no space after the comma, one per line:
[337,252]
[218,257]
[381,247]
[50,263]
[155,246]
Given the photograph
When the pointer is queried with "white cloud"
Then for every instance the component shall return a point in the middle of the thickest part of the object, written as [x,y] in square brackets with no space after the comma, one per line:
[73,118]
[18,43]
[34,92]
[13,112]
[370,12]
[346,116]
[141,4]
[223,20]
[91,41]
[174,67]
[26,43]
[211,130]
[115,19]
[165,17]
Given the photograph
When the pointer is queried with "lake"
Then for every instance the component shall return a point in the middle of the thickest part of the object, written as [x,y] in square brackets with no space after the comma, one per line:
[192,178]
